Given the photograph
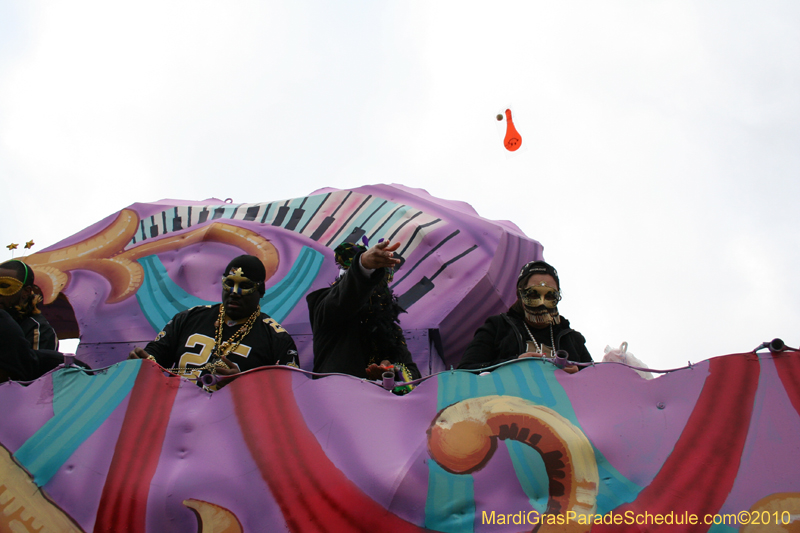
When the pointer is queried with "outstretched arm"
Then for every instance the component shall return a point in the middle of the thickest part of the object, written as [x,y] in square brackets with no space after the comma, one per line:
[347,296]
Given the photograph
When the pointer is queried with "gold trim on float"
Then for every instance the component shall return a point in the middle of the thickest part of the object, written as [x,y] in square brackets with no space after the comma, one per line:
[24,507]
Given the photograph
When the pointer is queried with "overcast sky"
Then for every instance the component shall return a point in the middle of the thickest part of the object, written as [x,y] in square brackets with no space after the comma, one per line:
[660,166]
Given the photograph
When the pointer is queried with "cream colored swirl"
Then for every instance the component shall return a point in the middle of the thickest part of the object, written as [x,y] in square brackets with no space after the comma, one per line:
[463,438]
[104,253]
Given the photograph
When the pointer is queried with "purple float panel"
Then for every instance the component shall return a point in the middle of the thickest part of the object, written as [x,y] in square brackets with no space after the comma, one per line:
[128,274]
[278,450]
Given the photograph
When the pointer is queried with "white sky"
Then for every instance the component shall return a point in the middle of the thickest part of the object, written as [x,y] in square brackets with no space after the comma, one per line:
[660,168]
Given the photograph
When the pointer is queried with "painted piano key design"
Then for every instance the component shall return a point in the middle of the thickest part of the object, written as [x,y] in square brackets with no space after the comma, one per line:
[330,219]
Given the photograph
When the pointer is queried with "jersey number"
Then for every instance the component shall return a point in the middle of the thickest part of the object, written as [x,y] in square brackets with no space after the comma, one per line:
[207,344]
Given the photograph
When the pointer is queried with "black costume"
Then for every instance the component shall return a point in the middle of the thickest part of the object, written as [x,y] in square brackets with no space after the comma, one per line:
[18,359]
[504,337]
[39,332]
[188,340]
[353,326]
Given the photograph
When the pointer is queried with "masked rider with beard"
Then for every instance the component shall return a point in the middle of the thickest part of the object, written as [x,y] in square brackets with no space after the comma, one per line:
[532,327]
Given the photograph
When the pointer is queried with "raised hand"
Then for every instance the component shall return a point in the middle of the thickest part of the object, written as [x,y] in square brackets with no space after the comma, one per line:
[380,255]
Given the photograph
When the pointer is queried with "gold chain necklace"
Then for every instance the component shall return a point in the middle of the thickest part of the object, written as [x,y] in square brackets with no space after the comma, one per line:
[223,349]
[220,349]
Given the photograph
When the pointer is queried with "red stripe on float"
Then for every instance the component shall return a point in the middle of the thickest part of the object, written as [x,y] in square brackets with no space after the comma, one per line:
[312,493]
[698,475]
[788,366]
[123,504]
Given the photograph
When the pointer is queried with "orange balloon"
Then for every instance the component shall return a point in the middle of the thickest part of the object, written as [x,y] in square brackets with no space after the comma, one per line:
[513,139]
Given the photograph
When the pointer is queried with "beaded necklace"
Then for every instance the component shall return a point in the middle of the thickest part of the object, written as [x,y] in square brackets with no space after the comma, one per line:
[221,349]
[539,348]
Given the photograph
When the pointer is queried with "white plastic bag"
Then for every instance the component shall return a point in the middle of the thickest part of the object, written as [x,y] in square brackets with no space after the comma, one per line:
[622,355]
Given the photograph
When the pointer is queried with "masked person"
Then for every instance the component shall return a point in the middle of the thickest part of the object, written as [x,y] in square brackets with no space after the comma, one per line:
[355,322]
[19,296]
[532,327]
[226,338]
[27,341]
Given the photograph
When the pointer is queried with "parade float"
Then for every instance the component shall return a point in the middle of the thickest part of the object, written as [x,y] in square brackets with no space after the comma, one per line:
[525,447]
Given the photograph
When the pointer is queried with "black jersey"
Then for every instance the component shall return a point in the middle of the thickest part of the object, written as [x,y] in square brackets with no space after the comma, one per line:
[187,341]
